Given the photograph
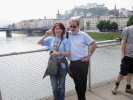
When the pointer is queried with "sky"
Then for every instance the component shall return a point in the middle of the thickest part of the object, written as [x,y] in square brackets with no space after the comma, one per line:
[13,11]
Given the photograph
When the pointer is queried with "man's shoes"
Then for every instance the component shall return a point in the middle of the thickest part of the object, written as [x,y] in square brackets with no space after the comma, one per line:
[114,89]
[129,90]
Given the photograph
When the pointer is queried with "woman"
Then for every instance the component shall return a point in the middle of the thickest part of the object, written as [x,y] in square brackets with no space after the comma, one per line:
[58,80]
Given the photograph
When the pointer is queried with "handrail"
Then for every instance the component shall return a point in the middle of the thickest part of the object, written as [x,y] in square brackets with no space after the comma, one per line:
[46,49]
[23,52]
[99,46]
[107,41]
[104,43]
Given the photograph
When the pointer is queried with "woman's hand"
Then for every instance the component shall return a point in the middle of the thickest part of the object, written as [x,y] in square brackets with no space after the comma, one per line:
[48,32]
[54,53]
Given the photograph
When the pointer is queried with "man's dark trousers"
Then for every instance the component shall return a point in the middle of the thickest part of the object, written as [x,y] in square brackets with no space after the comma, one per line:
[80,70]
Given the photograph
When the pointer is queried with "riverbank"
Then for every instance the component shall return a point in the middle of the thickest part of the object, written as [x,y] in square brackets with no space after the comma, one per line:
[104,36]
[94,35]
[19,32]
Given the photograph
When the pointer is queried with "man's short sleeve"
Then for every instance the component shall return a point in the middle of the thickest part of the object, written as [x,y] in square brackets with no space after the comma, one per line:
[88,39]
[125,34]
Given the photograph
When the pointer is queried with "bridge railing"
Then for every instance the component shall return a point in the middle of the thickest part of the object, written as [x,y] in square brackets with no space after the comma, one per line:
[21,72]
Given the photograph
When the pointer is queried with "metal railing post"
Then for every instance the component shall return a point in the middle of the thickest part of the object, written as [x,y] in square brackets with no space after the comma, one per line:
[89,77]
[89,72]
[0,95]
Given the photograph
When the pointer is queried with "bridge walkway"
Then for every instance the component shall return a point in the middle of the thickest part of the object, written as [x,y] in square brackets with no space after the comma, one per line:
[104,93]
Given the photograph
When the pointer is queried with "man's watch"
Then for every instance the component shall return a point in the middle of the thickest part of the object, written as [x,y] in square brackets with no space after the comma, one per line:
[90,54]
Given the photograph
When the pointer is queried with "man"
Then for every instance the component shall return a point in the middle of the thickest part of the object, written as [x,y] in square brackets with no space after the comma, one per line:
[127,60]
[79,60]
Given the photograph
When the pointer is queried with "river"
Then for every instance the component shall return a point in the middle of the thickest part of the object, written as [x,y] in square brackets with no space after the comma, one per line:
[18,42]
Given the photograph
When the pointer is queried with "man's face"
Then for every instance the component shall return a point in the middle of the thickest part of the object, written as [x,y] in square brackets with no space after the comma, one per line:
[74,27]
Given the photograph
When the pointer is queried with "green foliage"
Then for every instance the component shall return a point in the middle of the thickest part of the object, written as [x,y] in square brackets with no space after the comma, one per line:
[94,11]
[19,32]
[104,26]
[13,25]
[130,21]
[104,36]
[107,25]
[101,25]
[114,26]
[113,11]
[98,11]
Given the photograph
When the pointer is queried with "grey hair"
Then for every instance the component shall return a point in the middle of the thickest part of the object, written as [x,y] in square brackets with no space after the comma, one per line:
[74,20]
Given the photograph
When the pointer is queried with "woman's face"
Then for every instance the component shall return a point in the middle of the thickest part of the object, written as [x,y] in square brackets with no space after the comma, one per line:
[58,31]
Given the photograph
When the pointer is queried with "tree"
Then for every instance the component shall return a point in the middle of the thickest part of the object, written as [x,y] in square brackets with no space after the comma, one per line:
[13,25]
[93,11]
[101,25]
[108,25]
[130,21]
[114,26]
[98,11]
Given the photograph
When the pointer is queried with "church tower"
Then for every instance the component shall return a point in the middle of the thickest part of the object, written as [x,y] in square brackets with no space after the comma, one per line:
[115,7]
[115,11]
[58,15]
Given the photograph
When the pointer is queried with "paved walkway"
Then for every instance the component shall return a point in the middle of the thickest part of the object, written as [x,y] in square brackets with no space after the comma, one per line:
[104,93]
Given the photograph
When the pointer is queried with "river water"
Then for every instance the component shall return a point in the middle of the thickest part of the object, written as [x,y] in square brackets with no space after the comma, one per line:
[17,81]
[18,42]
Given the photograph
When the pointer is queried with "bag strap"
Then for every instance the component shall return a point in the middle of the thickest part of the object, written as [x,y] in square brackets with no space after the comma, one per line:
[59,45]
[67,35]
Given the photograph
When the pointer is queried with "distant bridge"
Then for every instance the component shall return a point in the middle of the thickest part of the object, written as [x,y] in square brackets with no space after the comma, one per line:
[29,31]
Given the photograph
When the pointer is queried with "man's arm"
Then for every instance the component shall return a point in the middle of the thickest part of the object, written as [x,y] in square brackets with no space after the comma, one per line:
[123,42]
[92,49]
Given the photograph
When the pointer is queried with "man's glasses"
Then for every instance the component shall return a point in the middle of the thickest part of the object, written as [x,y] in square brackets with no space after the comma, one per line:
[73,26]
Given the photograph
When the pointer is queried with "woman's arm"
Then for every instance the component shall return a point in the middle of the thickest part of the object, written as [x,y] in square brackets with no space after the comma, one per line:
[54,53]
[46,34]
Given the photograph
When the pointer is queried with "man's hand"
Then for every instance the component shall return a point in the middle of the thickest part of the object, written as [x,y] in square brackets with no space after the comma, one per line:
[85,59]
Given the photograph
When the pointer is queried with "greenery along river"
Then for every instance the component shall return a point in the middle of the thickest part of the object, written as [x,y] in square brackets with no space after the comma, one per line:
[98,36]
[104,36]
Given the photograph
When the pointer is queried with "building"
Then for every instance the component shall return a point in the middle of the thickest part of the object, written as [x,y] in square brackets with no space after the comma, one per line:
[91,22]
[87,20]
[121,21]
